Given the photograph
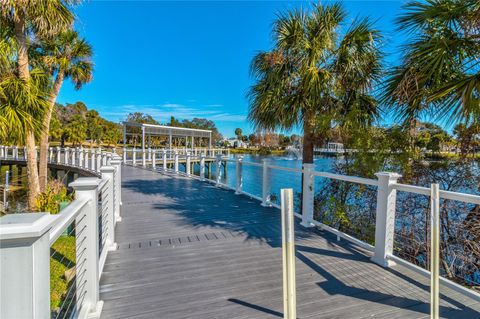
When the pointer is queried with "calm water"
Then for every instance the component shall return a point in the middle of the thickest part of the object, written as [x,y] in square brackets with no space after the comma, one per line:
[253,175]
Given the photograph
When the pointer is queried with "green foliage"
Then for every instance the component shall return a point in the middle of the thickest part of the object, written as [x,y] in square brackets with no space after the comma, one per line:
[439,72]
[49,201]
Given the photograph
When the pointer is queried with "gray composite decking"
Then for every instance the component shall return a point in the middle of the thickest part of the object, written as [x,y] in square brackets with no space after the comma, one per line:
[190,250]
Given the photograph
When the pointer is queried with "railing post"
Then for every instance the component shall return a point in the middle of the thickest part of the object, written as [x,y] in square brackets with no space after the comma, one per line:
[59,154]
[2,150]
[80,157]
[288,254]
[385,217]
[117,163]
[50,154]
[108,172]
[134,157]
[307,195]
[66,158]
[15,152]
[187,163]
[25,270]
[149,154]
[239,175]
[124,154]
[202,167]
[435,251]
[218,166]
[144,159]
[154,159]
[175,157]
[164,159]
[99,159]
[74,157]
[92,160]
[87,187]
[265,183]
[104,158]
[87,159]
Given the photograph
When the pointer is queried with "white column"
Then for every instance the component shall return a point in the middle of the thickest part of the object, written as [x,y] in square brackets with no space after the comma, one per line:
[25,265]
[187,163]
[66,157]
[117,163]
[108,173]
[307,195]
[153,159]
[143,139]
[149,154]
[73,159]
[239,175]
[134,156]
[385,218]
[50,154]
[93,160]
[99,160]
[15,152]
[80,157]
[266,183]
[124,154]
[104,158]
[58,155]
[202,167]
[218,165]
[87,159]
[175,156]
[144,159]
[87,187]
[164,159]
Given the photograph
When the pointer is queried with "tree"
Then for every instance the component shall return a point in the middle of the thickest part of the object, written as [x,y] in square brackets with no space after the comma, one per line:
[439,72]
[238,133]
[43,19]
[66,56]
[309,79]
[95,126]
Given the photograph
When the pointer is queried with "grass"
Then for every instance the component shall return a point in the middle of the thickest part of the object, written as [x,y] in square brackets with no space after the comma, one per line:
[62,267]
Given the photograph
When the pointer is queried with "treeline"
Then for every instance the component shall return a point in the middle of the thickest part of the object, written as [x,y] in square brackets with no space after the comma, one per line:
[76,125]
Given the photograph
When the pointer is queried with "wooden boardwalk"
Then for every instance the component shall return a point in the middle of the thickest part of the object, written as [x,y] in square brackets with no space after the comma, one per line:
[190,250]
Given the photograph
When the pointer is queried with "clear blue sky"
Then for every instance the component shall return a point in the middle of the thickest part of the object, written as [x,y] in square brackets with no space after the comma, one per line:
[188,59]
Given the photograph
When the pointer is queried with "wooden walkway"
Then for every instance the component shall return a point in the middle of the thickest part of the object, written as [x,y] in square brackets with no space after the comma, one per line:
[190,250]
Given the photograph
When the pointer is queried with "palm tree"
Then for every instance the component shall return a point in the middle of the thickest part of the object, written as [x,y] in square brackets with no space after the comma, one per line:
[43,18]
[311,79]
[67,56]
[440,70]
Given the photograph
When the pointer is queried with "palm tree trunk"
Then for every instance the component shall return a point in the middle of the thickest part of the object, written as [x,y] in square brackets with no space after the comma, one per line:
[43,165]
[24,74]
[308,128]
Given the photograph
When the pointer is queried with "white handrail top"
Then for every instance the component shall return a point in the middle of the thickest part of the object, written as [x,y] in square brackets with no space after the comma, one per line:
[66,217]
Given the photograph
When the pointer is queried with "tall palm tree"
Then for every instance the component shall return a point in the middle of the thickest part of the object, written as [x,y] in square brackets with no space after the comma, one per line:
[66,56]
[313,79]
[41,18]
[440,70]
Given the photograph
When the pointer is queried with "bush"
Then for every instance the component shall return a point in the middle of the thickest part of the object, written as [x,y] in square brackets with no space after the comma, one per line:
[49,201]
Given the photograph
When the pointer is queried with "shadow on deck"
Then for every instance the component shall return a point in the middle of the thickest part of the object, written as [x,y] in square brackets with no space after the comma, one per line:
[190,250]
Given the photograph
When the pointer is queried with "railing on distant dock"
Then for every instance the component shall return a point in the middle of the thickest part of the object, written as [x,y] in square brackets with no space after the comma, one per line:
[385,186]
[71,245]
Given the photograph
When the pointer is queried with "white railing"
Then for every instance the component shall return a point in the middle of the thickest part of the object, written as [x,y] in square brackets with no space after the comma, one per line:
[32,243]
[386,187]
[150,156]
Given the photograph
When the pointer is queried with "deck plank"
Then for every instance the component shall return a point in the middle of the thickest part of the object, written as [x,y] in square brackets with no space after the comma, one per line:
[190,250]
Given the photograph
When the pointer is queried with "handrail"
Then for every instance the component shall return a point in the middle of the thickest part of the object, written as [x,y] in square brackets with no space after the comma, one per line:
[66,217]
[87,223]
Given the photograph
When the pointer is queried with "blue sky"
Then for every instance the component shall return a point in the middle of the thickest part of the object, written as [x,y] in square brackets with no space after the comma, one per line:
[189,59]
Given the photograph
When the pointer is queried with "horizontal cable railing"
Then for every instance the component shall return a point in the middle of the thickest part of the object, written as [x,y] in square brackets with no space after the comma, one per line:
[78,238]
[371,202]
